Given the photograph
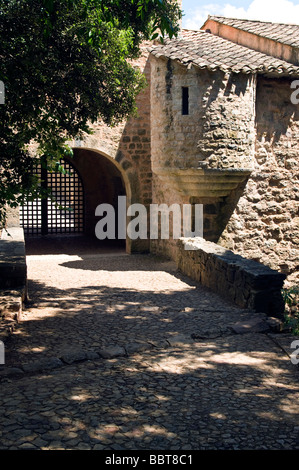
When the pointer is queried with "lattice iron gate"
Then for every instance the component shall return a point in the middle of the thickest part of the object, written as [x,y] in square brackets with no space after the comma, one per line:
[62,215]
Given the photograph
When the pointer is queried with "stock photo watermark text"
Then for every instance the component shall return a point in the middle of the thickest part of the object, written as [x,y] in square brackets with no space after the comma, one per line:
[295,354]
[2,93]
[2,353]
[187,221]
[295,94]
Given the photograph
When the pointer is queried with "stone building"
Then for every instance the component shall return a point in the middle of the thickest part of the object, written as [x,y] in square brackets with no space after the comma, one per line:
[216,126]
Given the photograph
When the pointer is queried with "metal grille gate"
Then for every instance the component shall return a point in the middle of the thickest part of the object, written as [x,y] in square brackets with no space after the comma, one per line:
[62,215]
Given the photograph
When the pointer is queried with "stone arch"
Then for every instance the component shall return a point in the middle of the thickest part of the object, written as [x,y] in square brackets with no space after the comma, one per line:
[104,179]
[113,160]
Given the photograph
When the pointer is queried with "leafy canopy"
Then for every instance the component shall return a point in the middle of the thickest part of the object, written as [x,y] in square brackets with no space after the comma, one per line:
[65,64]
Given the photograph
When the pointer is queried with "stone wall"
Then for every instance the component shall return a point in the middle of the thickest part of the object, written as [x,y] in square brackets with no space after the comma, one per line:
[245,282]
[166,194]
[265,223]
[128,146]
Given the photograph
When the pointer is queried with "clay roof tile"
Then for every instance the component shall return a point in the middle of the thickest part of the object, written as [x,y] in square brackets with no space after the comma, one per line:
[206,50]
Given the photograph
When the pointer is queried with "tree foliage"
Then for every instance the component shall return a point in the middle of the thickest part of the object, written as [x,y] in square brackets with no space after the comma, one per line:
[66,64]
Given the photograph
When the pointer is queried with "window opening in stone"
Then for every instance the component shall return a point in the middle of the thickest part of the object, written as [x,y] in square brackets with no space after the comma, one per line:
[185,100]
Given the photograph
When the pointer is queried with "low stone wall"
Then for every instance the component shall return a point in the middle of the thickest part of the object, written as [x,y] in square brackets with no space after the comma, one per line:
[245,282]
[13,279]
[13,269]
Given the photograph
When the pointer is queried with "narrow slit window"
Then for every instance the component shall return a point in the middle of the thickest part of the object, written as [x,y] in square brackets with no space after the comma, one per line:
[185,100]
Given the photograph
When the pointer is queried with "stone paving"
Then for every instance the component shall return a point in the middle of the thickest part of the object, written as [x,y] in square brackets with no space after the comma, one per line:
[119,352]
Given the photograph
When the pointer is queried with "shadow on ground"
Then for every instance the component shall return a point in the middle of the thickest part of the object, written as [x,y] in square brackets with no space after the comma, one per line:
[195,385]
[72,245]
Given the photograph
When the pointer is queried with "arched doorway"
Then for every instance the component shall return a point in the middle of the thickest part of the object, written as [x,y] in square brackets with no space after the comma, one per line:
[90,178]
[104,181]
[62,212]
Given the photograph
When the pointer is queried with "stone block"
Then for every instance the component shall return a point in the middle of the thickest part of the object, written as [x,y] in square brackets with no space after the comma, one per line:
[112,351]
[252,325]
[44,364]
[137,346]
[13,268]
[73,356]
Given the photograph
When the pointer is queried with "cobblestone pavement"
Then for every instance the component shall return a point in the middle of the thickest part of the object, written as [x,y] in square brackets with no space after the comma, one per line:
[123,352]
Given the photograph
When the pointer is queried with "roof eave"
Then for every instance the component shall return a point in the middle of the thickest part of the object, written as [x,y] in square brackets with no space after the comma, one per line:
[208,19]
[214,68]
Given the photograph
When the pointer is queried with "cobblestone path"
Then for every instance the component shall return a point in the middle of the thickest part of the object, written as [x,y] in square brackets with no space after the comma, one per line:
[122,352]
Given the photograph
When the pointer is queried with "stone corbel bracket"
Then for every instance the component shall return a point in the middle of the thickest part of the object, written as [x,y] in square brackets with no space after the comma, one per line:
[202,182]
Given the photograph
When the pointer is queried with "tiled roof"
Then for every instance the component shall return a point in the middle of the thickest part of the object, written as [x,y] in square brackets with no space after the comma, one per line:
[283,33]
[206,51]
